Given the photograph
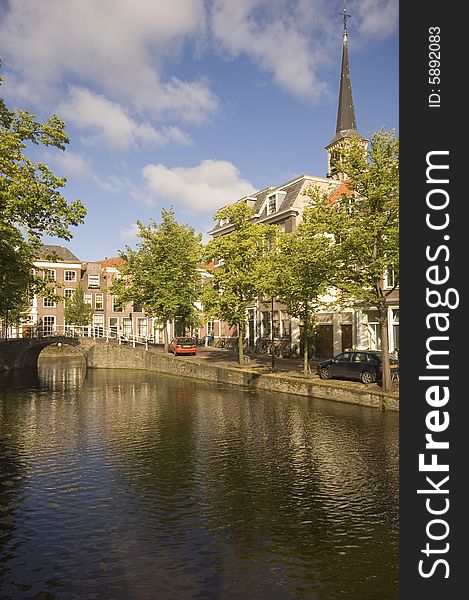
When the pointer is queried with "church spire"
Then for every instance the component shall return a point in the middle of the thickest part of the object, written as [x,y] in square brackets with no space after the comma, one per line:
[346,126]
[346,112]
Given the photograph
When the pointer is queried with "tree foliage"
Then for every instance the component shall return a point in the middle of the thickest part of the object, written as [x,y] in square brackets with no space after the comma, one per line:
[77,311]
[364,222]
[162,274]
[298,271]
[31,203]
[235,284]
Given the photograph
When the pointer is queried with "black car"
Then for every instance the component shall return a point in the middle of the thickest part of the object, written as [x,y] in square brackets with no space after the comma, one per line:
[363,365]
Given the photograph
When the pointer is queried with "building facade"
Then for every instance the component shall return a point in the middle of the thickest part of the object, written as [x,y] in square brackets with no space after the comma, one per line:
[284,205]
[66,271]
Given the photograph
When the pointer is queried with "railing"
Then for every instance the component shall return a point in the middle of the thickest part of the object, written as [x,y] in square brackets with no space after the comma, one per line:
[75,331]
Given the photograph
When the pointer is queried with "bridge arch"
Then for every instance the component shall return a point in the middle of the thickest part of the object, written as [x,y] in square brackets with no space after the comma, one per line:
[24,353]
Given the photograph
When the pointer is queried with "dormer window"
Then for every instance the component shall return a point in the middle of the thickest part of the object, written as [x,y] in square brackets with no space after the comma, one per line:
[251,201]
[272,204]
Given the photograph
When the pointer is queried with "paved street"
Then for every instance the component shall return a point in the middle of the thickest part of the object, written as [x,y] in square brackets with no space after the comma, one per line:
[263,362]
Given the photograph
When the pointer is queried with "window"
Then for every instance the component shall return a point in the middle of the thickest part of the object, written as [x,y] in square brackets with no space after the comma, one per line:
[286,324]
[136,308]
[276,324]
[389,278]
[142,327]
[272,203]
[48,303]
[68,293]
[114,325]
[126,326]
[395,329]
[265,323]
[99,301]
[88,298]
[373,330]
[70,275]
[116,305]
[93,281]
[48,325]
[98,325]
[50,274]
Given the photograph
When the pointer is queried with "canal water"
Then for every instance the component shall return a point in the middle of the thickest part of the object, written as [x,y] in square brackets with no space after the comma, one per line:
[136,486]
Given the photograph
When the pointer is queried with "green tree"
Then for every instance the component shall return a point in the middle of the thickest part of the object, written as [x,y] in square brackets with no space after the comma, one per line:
[298,270]
[31,204]
[235,283]
[364,222]
[162,274]
[77,311]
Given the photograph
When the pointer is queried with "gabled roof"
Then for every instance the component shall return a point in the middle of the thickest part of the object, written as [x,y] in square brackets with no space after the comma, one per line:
[293,190]
[56,254]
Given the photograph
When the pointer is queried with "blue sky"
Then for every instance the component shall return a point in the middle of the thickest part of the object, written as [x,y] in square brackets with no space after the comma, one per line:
[191,103]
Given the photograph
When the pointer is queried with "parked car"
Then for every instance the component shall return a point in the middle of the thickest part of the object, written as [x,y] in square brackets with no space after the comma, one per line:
[183,345]
[362,365]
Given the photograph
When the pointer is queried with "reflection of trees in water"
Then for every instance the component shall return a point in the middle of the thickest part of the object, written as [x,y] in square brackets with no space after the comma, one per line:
[226,483]
[305,479]
[12,473]
[265,473]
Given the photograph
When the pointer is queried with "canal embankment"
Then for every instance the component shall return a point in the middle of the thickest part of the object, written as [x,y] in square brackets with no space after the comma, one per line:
[221,367]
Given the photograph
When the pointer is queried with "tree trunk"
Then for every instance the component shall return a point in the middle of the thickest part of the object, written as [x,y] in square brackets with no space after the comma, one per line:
[305,342]
[383,320]
[166,337]
[240,345]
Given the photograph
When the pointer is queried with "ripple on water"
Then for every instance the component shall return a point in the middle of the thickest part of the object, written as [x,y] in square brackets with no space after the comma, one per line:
[133,486]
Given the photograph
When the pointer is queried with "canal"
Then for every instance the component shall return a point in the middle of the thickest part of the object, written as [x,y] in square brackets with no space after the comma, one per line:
[129,485]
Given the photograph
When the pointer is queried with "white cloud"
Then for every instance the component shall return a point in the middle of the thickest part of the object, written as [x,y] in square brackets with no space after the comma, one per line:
[115,45]
[121,49]
[295,41]
[70,163]
[107,122]
[377,19]
[202,189]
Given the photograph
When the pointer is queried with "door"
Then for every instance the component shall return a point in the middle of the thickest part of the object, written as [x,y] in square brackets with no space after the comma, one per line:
[347,342]
[324,341]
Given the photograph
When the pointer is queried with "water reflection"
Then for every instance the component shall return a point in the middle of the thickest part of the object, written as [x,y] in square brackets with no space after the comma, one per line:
[124,485]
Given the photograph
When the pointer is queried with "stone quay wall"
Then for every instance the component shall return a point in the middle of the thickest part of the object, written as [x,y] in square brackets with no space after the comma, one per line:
[110,356]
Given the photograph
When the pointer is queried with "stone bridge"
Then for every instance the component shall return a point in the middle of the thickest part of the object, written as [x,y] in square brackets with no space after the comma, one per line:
[23,352]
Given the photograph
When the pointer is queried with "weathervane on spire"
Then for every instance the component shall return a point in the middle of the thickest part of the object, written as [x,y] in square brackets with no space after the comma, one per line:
[346,15]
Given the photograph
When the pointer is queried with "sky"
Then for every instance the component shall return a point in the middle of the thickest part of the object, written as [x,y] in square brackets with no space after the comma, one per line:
[190,104]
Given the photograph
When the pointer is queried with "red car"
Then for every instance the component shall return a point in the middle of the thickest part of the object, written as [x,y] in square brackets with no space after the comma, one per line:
[183,345]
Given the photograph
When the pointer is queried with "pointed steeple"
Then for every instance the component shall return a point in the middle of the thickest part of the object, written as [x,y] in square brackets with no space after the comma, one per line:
[346,112]
[346,126]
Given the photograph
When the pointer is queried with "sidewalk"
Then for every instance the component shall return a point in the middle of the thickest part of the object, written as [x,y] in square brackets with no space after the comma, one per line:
[254,361]
[262,363]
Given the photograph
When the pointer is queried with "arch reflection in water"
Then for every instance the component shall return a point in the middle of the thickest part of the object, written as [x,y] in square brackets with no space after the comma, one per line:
[139,486]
